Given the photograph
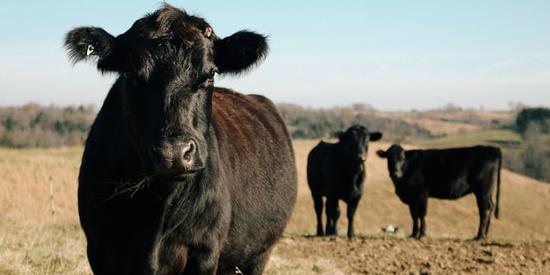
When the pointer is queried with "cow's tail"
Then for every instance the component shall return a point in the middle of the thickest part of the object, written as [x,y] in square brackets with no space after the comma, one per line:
[498,183]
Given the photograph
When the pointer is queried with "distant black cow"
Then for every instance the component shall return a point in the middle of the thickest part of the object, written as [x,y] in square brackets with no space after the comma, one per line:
[179,177]
[337,171]
[445,174]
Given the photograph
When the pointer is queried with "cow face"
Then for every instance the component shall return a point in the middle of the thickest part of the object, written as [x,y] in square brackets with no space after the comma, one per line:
[355,141]
[396,160]
[166,62]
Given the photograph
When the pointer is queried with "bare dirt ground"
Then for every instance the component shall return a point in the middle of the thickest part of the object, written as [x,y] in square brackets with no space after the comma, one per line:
[388,255]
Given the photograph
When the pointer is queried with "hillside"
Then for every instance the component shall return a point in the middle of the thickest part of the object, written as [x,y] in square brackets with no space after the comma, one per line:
[36,238]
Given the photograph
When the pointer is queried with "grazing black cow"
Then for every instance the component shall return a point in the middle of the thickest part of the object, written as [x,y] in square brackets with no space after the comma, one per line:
[445,174]
[337,171]
[179,177]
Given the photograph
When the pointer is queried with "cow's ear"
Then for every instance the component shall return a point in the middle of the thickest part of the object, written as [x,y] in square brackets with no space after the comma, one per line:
[85,42]
[382,154]
[239,52]
[375,136]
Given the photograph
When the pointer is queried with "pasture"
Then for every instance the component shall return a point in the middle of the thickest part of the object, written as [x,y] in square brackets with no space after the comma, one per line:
[39,231]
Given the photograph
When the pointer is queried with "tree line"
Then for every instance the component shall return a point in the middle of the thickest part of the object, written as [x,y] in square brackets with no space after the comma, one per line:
[33,125]
[532,158]
[309,123]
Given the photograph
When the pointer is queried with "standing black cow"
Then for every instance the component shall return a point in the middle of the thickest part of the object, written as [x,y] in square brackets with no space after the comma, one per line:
[445,174]
[337,172]
[179,177]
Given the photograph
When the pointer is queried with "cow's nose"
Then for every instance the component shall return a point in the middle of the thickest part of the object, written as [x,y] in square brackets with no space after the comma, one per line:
[161,157]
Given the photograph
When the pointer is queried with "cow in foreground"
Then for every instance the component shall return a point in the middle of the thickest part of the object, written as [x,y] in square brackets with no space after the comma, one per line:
[179,177]
[445,174]
[337,171]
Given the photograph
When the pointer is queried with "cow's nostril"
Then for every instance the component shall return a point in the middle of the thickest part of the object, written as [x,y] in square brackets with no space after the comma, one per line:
[188,150]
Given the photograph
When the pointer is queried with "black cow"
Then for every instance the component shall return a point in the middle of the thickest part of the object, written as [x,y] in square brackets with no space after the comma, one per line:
[179,177]
[445,174]
[337,171]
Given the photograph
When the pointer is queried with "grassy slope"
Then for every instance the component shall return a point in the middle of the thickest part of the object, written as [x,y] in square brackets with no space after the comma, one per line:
[33,241]
[453,122]
[501,138]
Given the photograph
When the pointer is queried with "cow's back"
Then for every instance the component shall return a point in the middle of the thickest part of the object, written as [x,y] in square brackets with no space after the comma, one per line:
[256,160]
[318,167]
[452,173]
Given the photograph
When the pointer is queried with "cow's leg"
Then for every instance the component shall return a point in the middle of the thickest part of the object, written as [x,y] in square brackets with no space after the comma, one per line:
[204,260]
[485,206]
[257,265]
[415,220]
[318,204]
[336,217]
[329,213]
[352,207]
[423,208]
[333,212]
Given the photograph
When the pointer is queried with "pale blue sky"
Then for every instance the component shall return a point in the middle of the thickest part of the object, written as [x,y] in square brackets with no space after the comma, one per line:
[394,55]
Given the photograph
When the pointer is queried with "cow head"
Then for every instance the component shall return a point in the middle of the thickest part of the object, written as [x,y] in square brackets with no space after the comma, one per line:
[355,142]
[396,160]
[167,61]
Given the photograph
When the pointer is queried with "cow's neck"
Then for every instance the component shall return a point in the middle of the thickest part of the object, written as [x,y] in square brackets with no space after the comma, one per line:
[395,179]
[398,178]
[344,160]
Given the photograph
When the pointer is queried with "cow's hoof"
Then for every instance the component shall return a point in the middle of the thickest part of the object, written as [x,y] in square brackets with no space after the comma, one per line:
[418,237]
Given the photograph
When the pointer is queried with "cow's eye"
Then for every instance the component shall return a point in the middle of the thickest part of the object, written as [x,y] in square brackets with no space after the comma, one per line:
[162,41]
[206,80]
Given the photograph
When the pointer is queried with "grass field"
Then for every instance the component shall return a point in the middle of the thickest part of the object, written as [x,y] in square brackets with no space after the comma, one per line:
[39,231]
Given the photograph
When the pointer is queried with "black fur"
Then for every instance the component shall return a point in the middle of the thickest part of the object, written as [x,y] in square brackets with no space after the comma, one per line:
[445,174]
[179,177]
[337,172]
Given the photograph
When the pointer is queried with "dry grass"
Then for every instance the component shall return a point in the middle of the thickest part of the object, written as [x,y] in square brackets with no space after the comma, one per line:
[40,248]
[26,176]
[450,123]
[32,241]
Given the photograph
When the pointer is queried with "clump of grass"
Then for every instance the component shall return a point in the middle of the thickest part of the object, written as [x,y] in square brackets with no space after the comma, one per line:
[40,248]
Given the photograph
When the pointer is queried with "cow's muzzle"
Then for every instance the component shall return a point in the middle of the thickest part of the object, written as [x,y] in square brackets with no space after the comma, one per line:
[176,157]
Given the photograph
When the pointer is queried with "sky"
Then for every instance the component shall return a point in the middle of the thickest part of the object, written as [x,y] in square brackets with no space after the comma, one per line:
[393,55]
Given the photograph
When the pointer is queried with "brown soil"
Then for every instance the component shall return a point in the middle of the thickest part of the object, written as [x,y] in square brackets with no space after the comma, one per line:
[390,255]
